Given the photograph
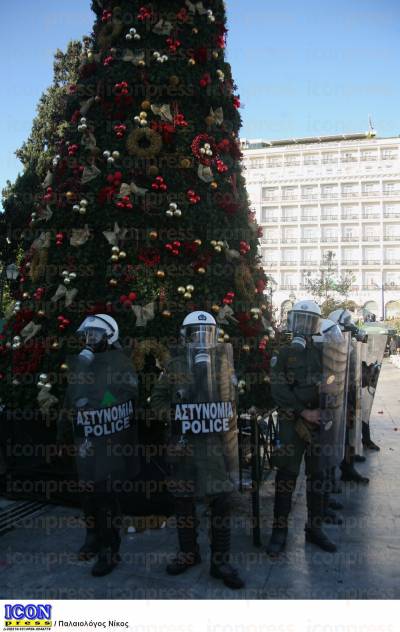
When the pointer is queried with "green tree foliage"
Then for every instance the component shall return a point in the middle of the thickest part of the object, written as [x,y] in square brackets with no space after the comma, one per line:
[330,289]
[144,214]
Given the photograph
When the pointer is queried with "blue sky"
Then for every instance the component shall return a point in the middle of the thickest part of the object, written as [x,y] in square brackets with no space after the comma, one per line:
[303,67]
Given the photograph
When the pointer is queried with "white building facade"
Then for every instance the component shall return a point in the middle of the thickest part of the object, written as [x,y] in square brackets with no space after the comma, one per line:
[331,197]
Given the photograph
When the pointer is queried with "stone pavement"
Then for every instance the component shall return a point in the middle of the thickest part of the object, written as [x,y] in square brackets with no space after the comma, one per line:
[38,561]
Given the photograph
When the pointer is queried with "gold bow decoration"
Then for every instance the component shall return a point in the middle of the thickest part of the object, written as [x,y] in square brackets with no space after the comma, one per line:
[136,59]
[43,241]
[196,7]
[205,173]
[89,173]
[231,254]
[217,116]
[163,27]
[143,313]
[164,111]
[226,316]
[127,189]
[89,140]
[115,236]
[79,236]
[64,292]
[30,330]
[48,181]
[38,264]
[46,400]
[86,105]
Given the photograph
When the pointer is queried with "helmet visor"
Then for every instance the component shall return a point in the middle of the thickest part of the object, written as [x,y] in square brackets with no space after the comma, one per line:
[94,336]
[333,336]
[200,336]
[303,323]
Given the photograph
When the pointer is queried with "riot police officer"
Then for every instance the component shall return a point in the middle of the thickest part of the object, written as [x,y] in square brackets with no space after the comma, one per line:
[296,373]
[196,396]
[344,319]
[99,408]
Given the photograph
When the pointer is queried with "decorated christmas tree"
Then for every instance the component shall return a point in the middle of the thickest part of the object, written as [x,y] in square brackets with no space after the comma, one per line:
[143,213]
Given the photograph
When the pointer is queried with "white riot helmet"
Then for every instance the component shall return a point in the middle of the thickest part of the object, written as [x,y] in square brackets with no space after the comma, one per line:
[304,318]
[330,332]
[99,332]
[342,317]
[199,331]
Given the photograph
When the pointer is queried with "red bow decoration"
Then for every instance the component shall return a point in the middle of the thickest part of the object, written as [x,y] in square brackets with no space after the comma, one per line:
[106,194]
[150,257]
[166,130]
[27,359]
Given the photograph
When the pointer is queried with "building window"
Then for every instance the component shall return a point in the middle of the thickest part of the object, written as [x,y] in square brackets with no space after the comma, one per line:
[391,188]
[270,193]
[370,188]
[309,192]
[349,156]
[329,191]
[269,214]
[311,159]
[329,211]
[289,193]
[329,158]
[368,155]
[349,189]
[309,213]
[274,161]
[289,214]
[292,160]
[256,163]
[389,153]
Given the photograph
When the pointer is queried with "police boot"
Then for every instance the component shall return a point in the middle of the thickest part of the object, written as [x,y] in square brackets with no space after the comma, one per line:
[330,517]
[188,554]
[366,438]
[313,529]
[91,545]
[108,534]
[285,484]
[220,566]
[350,474]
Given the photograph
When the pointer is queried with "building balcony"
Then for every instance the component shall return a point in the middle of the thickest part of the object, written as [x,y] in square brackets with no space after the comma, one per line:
[293,264]
[390,215]
[351,238]
[290,220]
[309,240]
[289,240]
[327,218]
[371,238]
[332,239]
[270,220]
[307,264]
[371,215]
[391,238]
[350,216]
[310,218]
[389,157]
[391,262]
[266,240]
[371,262]
[288,287]
[350,262]
[329,161]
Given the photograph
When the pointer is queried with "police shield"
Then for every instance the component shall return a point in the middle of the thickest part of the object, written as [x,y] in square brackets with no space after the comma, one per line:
[333,401]
[101,397]
[354,416]
[373,354]
[204,420]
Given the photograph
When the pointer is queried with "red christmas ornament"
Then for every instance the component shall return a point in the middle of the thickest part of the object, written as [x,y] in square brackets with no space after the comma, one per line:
[244,247]
[193,197]
[107,16]
[228,298]
[205,80]
[173,44]
[236,102]
[38,294]
[63,322]
[120,130]
[144,14]
[108,60]
[121,88]
[159,184]
[179,121]
[48,195]
[182,15]
[174,248]
[221,166]
[72,149]
[59,239]
[124,202]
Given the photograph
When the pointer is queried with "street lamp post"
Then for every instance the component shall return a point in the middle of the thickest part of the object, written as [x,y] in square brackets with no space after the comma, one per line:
[9,273]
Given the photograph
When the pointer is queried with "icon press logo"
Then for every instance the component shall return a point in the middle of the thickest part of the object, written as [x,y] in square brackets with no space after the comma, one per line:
[17,616]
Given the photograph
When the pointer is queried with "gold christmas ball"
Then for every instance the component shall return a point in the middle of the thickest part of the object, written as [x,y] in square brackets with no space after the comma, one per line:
[187,295]
[192,62]
[90,56]
[190,288]
[113,282]
[115,250]
[218,249]
[214,185]
[160,274]
[70,195]
[25,295]
[122,254]
[226,338]
[82,210]
[198,242]
[55,345]
[264,308]
[185,163]
[213,243]
[174,80]
[146,105]
[246,348]
[114,257]
[215,54]
[195,30]
[255,316]
[64,366]
[41,313]
[153,234]
[181,290]
[153,170]
[166,313]
[215,308]
[201,270]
